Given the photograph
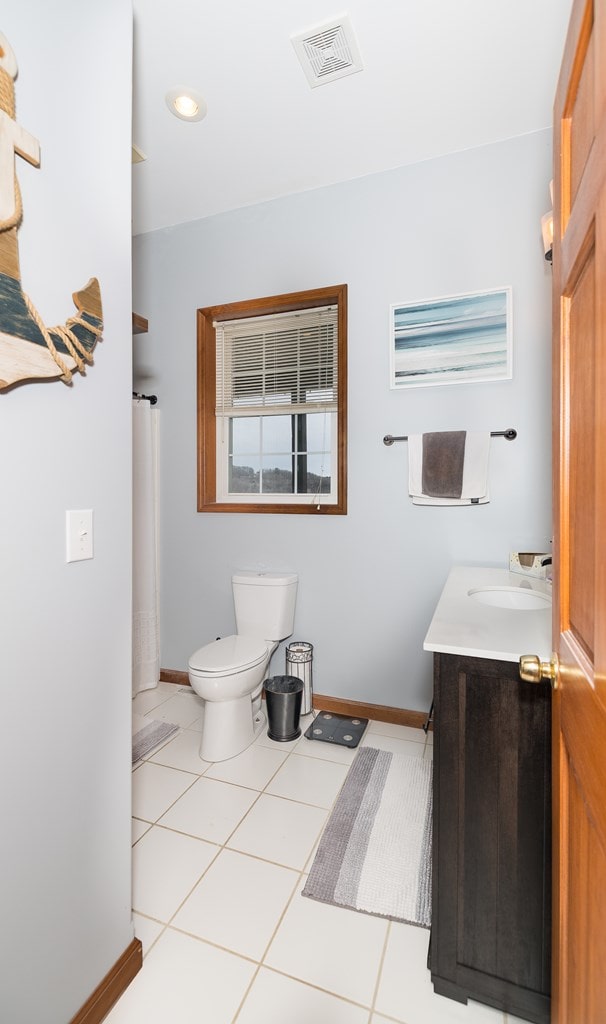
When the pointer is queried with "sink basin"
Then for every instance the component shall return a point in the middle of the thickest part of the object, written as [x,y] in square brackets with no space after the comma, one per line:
[516,598]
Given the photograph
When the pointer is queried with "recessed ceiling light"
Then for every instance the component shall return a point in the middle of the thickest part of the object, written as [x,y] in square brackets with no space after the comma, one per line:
[186,103]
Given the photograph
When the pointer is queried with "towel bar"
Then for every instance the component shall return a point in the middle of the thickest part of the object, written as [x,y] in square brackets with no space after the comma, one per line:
[510,434]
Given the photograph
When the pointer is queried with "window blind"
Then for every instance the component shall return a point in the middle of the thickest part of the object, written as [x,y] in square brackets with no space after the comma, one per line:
[281,363]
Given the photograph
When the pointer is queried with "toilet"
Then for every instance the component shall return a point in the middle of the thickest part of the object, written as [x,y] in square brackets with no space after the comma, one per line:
[228,674]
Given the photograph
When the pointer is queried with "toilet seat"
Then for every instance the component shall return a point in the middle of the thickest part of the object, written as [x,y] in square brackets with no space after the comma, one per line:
[229,655]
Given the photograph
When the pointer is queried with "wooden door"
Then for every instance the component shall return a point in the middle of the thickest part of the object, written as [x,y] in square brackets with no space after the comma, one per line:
[579,464]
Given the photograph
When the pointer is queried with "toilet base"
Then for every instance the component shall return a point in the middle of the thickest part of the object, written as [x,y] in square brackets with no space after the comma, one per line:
[228,728]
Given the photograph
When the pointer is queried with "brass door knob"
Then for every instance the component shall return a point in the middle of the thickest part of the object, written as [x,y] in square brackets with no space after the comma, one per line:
[533,670]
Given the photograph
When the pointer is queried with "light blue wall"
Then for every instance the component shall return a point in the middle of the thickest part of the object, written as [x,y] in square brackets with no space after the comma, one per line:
[65,633]
[369,581]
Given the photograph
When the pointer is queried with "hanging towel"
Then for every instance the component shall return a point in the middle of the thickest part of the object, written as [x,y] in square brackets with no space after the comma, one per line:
[449,468]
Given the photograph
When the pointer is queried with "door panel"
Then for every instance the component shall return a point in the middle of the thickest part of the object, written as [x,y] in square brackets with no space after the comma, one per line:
[580,359]
[579,455]
[582,120]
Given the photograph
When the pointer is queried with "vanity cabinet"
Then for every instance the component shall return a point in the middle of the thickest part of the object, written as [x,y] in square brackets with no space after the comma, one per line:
[491,920]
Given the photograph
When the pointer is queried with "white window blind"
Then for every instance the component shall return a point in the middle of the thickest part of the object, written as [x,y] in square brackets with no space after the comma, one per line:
[282,363]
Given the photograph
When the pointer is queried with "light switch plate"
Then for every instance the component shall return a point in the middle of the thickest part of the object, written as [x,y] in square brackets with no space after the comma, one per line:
[79,534]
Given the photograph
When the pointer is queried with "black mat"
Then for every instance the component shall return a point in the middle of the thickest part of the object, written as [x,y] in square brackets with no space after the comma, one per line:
[330,728]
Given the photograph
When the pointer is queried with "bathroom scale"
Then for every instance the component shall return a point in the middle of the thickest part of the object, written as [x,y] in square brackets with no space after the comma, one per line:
[330,728]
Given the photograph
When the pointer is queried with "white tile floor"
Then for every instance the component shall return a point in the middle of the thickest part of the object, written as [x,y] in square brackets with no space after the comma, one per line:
[220,855]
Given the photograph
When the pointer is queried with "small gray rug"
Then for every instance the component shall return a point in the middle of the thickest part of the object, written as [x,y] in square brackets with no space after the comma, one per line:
[375,852]
[150,736]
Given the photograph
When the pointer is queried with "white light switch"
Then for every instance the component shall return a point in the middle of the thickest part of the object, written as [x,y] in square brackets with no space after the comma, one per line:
[79,534]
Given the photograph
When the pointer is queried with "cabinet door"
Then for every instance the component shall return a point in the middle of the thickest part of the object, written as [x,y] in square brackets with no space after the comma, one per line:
[491,888]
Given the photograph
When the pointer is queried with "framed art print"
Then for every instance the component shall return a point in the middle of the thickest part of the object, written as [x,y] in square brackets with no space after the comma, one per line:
[458,339]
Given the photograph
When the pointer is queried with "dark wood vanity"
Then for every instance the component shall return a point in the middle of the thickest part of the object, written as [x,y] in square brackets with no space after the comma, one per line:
[491,923]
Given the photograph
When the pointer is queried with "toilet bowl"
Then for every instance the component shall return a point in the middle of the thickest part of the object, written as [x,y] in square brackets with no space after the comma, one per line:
[228,673]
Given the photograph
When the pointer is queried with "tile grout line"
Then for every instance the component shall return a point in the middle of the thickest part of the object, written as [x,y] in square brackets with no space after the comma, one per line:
[167,809]
[300,873]
[220,846]
[271,939]
[283,914]
[223,846]
[316,988]
[246,994]
[158,821]
[158,936]
[380,970]
[190,891]
[388,1017]
[215,945]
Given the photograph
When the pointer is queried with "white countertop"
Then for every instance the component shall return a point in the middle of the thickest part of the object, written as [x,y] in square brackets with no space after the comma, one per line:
[462,625]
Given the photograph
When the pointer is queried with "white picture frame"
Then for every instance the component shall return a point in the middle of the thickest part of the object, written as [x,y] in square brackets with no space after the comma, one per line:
[455,339]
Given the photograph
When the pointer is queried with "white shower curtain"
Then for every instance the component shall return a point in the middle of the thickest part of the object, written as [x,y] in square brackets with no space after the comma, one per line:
[146,638]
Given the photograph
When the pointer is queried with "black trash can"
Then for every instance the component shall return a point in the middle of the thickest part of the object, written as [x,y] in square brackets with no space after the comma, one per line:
[283,696]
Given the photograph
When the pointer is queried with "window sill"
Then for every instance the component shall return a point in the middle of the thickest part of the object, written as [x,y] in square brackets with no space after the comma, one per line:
[274,509]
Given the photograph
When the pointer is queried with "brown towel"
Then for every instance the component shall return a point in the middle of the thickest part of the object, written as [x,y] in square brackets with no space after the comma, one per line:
[443,459]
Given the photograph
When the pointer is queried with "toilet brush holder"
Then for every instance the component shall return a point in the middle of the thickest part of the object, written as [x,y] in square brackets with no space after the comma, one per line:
[283,700]
[299,656]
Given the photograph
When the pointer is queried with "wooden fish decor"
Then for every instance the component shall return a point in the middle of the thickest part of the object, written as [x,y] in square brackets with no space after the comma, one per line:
[28,350]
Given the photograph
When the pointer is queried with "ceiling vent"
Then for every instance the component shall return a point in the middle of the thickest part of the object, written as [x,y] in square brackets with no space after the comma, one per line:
[328,51]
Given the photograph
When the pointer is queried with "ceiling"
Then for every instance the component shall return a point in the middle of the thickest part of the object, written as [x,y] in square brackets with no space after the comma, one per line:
[438,76]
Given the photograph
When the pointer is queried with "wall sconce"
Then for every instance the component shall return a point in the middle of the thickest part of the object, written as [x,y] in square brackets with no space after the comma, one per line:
[547,232]
[547,229]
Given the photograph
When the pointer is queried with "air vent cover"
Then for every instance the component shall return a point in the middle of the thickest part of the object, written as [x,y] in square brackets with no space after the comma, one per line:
[328,51]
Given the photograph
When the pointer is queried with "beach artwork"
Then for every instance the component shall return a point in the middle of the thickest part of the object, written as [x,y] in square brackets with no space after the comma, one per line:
[29,350]
[459,339]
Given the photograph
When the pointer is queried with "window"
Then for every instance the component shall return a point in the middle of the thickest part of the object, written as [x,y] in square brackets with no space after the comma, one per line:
[272,404]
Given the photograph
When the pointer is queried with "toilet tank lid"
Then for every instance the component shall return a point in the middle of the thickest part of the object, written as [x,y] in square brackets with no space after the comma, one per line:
[264,579]
[228,654]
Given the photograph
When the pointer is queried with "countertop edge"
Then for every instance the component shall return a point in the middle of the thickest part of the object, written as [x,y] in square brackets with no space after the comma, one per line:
[466,628]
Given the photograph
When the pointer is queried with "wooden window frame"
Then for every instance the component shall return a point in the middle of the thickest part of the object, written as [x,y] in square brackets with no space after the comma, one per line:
[206,380]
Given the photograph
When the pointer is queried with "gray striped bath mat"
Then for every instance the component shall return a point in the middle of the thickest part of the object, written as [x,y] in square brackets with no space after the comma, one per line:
[149,736]
[375,852]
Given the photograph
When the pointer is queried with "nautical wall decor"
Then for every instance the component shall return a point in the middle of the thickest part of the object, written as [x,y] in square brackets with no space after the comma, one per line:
[28,350]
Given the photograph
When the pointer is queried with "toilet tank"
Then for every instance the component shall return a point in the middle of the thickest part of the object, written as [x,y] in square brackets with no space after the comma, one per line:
[265,604]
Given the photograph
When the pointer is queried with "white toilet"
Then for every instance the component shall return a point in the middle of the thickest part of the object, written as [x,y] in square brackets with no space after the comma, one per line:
[229,673]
